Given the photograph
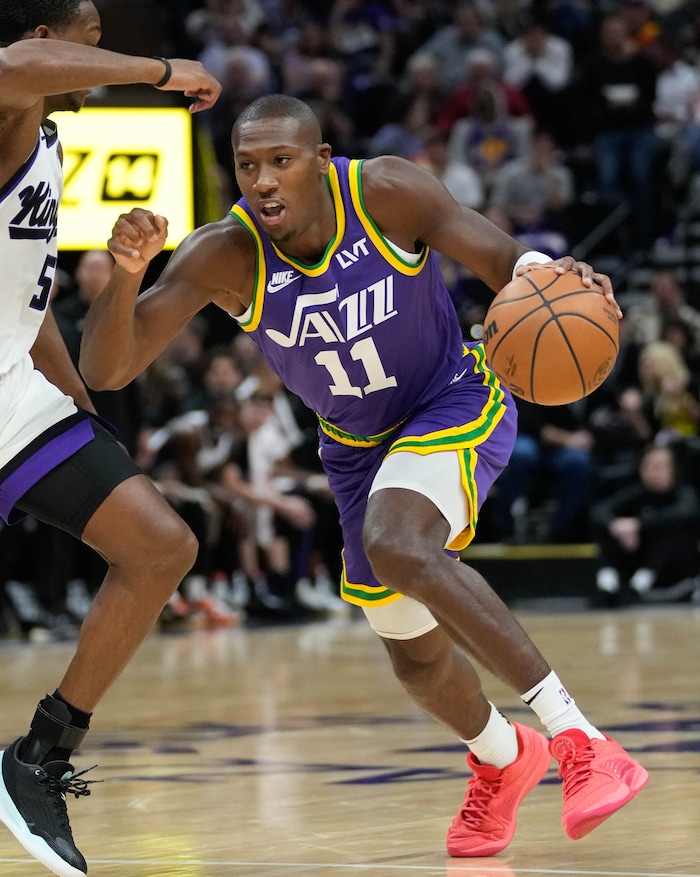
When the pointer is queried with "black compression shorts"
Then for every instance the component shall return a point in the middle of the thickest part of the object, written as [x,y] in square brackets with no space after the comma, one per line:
[69,495]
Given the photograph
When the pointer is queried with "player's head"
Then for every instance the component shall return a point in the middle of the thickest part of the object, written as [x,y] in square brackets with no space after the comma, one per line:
[278,106]
[20,18]
[75,21]
[280,163]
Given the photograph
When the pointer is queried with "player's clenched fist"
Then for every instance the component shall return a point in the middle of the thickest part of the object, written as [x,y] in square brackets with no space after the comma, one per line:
[137,237]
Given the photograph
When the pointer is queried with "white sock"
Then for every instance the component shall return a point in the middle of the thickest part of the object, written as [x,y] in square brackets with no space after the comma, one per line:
[555,707]
[497,744]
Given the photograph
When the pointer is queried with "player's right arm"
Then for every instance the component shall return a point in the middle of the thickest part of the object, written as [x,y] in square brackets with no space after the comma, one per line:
[124,330]
[36,68]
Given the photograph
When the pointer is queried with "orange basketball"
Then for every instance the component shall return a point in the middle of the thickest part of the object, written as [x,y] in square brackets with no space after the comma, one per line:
[550,339]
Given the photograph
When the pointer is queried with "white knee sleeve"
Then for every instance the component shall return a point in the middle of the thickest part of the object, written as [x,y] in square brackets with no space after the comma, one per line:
[405,618]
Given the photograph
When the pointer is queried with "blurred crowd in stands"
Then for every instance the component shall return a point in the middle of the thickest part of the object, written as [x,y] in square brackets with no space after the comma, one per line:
[575,126]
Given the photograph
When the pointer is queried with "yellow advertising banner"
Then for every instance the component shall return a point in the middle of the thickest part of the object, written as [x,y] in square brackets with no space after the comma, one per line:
[117,158]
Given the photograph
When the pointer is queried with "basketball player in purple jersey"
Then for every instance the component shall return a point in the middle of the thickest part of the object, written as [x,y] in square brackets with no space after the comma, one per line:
[329,265]
[57,462]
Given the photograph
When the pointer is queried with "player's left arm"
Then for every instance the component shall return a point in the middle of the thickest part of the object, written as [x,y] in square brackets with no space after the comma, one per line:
[412,207]
[51,357]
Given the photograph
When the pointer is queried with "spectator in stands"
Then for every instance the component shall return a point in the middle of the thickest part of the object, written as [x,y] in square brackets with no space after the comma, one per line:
[180,449]
[417,21]
[668,400]
[293,54]
[452,44]
[465,186]
[284,24]
[540,64]
[219,24]
[33,584]
[618,90]
[677,333]
[363,39]
[492,133]
[281,461]
[665,302]
[648,534]
[620,431]
[538,185]
[412,111]
[404,135]
[283,519]
[642,20]
[215,467]
[458,177]
[220,372]
[325,92]
[421,83]
[553,452]
[481,72]
[574,21]
[677,108]
[171,384]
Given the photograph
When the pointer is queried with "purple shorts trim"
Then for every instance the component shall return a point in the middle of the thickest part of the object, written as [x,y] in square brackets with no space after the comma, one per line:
[46,458]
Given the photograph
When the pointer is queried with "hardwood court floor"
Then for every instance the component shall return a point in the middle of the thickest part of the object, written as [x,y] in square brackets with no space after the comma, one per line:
[293,751]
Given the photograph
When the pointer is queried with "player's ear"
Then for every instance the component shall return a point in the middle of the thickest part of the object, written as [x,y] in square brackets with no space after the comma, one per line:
[39,33]
[324,157]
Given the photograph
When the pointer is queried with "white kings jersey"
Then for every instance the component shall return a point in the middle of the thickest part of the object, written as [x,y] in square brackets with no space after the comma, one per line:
[28,247]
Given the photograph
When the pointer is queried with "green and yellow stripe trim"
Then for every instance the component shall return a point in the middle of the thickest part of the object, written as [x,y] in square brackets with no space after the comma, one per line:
[355,441]
[468,459]
[334,243]
[377,238]
[255,311]
[467,435]
[365,595]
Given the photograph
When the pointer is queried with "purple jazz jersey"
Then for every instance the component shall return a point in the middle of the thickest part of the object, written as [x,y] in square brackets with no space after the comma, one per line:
[365,336]
[370,340]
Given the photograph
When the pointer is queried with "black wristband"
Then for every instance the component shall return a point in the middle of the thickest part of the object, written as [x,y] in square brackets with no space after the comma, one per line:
[168,72]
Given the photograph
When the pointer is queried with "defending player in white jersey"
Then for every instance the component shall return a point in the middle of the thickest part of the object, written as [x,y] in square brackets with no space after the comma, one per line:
[57,461]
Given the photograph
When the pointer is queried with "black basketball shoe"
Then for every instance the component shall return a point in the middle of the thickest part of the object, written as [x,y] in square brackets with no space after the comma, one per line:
[33,807]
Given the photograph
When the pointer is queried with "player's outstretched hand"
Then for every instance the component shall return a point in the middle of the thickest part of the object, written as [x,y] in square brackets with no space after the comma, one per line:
[137,237]
[194,80]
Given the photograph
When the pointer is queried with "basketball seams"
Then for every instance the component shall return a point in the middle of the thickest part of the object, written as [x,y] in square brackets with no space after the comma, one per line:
[515,325]
[529,277]
[535,360]
[586,319]
[570,348]
[520,298]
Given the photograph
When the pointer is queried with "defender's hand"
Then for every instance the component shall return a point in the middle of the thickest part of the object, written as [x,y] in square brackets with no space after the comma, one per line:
[194,80]
[137,237]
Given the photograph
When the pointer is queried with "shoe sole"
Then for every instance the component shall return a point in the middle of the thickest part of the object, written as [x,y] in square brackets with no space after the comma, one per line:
[586,825]
[539,769]
[32,843]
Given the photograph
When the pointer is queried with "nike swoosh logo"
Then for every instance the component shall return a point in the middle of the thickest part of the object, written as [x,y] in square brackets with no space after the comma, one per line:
[273,287]
[459,376]
[539,691]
